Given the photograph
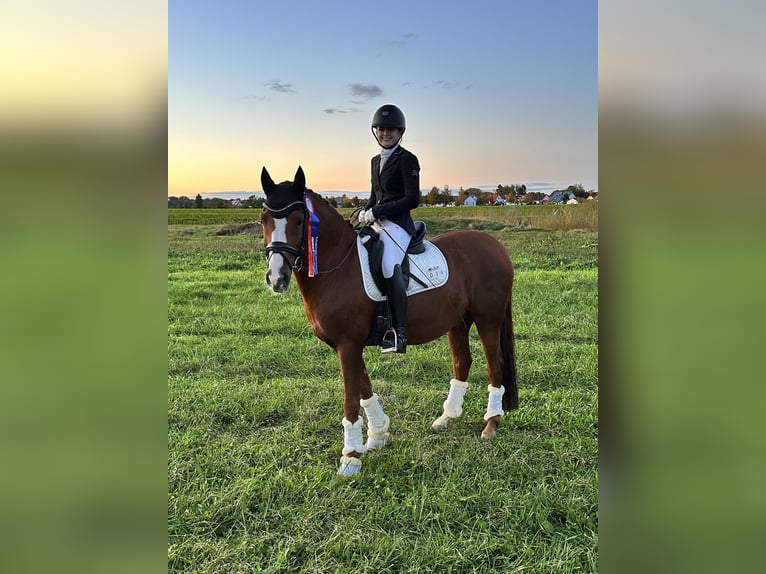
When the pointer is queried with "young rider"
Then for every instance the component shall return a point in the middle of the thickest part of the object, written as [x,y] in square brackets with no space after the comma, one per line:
[395,192]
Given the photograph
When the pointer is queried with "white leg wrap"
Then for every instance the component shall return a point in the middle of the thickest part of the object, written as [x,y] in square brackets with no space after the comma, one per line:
[453,406]
[495,402]
[352,437]
[349,466]
[377,423]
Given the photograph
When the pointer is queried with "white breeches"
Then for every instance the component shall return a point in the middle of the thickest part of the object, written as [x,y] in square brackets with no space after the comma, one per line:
[395,241]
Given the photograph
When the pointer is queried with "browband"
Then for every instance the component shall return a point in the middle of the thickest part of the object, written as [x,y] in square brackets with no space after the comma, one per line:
[279,213]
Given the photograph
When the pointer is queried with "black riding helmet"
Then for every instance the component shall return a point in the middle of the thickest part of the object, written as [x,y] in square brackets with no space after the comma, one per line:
[388,116]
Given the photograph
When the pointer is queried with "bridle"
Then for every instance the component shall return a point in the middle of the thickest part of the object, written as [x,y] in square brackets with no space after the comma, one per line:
[282,247]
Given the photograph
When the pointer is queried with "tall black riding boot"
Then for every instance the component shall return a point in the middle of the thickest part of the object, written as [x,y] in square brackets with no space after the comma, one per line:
[395,339]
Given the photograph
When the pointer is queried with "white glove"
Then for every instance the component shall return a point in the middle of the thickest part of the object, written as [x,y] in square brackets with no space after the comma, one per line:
[366,216]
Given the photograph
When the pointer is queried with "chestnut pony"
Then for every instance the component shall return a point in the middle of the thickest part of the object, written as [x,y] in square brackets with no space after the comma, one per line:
[478,292]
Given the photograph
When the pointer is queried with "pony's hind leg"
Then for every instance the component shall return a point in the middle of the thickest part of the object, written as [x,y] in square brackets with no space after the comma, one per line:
[494,411]
[461,365]
[490,340]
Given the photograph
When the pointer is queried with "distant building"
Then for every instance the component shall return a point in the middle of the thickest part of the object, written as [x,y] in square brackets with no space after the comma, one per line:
[469,201]
[558,196]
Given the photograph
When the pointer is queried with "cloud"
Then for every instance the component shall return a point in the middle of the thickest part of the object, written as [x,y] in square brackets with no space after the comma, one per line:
[446,85]
[364,91]
[451,85]
[279,86]
[404,41]
[340,110]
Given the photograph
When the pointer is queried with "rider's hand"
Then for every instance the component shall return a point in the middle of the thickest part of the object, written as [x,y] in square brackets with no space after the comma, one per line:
[366,216]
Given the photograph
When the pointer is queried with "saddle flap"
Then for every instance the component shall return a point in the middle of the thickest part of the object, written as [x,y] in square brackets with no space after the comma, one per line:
[428,270]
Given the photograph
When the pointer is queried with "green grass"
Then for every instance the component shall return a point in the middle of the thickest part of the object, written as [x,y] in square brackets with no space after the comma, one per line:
[255,403]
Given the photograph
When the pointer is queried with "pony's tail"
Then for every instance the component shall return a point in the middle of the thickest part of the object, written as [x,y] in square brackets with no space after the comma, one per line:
[508,354]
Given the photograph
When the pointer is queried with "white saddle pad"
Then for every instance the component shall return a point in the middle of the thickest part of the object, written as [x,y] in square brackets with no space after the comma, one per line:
[430,267]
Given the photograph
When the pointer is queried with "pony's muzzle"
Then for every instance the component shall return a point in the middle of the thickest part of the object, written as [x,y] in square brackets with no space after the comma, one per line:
[281,283]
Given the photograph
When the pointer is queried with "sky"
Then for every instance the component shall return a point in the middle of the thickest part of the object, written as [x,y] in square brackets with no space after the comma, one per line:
[494,92]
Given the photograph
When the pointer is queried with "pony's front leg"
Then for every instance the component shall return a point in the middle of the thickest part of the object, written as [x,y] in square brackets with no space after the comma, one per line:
[378,421]
[353,441]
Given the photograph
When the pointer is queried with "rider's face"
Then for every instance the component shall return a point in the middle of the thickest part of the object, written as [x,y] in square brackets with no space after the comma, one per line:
[388,136]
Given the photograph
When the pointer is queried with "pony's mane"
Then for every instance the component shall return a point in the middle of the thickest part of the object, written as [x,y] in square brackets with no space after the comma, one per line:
[316,197]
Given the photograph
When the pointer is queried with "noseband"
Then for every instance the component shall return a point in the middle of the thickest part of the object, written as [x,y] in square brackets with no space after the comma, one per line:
[282,247]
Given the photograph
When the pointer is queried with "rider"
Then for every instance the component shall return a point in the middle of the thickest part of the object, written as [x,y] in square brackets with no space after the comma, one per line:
[395,191]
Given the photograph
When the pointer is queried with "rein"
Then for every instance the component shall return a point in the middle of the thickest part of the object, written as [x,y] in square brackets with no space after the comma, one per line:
[282,247]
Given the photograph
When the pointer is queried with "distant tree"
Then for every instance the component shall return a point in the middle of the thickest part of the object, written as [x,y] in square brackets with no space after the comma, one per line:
[180,202]
[577,190]
[473,192]
[332,201]
[255,201]
[511,193]
[445,197]
[432,197]
[198,203]
[461,195]
[484,198]
[345,201]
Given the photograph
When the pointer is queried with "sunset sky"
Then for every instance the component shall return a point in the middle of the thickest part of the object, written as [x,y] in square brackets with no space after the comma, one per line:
[494,92]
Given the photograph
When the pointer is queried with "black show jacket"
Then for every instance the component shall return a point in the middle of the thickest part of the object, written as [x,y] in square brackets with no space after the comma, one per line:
[396,190]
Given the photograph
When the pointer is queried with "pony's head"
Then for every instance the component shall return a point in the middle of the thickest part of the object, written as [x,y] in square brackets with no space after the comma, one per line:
[284,228]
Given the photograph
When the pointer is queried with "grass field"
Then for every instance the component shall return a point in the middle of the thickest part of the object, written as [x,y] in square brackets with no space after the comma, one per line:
[255,403]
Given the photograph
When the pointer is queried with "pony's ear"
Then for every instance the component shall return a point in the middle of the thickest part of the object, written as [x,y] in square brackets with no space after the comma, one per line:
[300,180]
[267,183]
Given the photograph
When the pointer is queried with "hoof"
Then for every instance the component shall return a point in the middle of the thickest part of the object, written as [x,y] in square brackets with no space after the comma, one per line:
[441,423]
[349,466]
[373,443]
[491,428]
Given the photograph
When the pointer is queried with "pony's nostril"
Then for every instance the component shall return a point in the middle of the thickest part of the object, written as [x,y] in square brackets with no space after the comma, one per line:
[281,285]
